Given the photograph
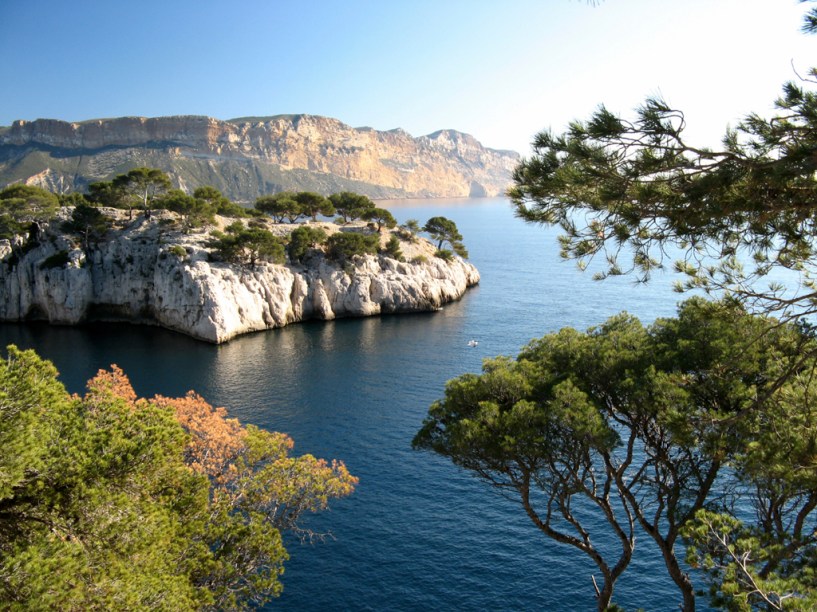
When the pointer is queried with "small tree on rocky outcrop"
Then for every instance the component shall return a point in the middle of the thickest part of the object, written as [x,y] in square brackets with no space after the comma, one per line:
[302,240]
[194,211]
[314,204]
[247,246]
[380,216]
[89,223]
[445,230]
[140,187]
[393,248]
[281,206]
[23,208]
[220,204]
[349,205]
[410,229]
[343,246]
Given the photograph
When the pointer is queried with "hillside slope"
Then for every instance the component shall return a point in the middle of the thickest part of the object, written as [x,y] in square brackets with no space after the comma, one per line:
[249,157]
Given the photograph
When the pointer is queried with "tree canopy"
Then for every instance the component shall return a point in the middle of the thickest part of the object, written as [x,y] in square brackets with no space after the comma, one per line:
[302,239]
[636,192]
[283,206]
[349,205]
[22,205]
[248,245]
[381,217]
[140,186]
[644,428]
[445,230]
[109,501]
[343,246]
[195,211]
[695,430]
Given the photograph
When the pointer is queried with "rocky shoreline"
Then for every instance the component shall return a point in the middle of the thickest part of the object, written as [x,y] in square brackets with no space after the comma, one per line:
[148,271]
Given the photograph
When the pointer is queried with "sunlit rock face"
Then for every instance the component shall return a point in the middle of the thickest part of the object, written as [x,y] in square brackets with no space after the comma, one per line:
[138,274]
[247,158]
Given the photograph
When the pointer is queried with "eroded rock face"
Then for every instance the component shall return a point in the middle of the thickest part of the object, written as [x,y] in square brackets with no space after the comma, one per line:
[246,158]
[137,275]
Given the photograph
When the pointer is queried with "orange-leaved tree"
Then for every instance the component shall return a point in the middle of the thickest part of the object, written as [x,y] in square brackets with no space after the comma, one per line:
[111,501]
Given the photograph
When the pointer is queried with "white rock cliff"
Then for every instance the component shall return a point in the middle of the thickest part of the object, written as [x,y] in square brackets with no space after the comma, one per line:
[137,275]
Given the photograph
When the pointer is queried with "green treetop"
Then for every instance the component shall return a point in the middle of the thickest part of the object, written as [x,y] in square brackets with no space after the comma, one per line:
[350,206]
[631,430]
[109,501]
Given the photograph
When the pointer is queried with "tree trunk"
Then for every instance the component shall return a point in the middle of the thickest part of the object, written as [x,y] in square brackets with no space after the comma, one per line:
[679,577]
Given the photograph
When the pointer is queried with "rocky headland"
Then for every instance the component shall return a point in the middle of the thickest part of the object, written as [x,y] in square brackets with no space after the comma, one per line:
[254,156]
[149,271]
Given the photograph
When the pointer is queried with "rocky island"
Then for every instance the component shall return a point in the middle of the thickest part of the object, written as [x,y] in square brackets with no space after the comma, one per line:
[151,270]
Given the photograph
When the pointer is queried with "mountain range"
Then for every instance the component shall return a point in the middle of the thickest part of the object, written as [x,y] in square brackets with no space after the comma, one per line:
[252,156]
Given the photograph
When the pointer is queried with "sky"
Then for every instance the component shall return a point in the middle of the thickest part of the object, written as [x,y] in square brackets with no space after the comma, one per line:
[500,70]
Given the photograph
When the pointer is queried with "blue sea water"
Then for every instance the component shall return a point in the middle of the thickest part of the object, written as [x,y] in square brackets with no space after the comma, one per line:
[418,533]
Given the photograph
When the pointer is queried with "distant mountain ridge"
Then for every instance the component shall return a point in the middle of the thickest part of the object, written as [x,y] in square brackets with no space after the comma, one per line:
[251,156]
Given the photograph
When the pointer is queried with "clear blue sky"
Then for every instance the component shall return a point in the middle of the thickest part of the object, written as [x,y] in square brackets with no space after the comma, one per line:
[500,70]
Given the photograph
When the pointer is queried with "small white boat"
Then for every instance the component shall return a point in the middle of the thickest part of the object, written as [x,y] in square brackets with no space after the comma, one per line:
[472,343]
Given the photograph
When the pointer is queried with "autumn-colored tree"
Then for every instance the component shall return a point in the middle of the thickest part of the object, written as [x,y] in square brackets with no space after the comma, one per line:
[111,501]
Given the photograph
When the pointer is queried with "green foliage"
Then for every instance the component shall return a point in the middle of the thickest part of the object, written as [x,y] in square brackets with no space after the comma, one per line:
[445,230]
[178,250]
[633,190]
[314,204]
[90,223]
[350,206]
[444,254]
[381,216]
[302,239]
[410,229]
[281,207]
[213,199]
[108,501]
[393,248]
[57,260]
[104,193]
[22,205]
[73,199]
[343,246]
[140,187]
[195,211]
[247,246]
[699,396]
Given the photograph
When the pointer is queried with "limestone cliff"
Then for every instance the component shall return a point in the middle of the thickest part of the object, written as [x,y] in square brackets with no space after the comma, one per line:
[139,274]
[249,157]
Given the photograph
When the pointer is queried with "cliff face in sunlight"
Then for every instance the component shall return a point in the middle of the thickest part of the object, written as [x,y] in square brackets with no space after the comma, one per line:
[246,158]
[148,271]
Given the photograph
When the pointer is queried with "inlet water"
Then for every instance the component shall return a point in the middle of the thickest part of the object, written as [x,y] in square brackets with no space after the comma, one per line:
[418,534]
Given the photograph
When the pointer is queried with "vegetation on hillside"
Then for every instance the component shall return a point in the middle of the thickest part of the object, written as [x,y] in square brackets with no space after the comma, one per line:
[247,240]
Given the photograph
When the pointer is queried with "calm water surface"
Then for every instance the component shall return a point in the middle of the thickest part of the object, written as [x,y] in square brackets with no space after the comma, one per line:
[418,534]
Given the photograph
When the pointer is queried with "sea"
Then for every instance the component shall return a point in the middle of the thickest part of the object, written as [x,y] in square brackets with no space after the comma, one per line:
[418,533]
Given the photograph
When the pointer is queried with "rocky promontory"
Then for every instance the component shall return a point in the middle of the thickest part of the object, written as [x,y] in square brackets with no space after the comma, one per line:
[254,156]
[147,270]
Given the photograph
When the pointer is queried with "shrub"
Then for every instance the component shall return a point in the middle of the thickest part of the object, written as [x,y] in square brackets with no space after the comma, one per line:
[393,248]
[345,245]
[178,250]
[302,239]
[57,260]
